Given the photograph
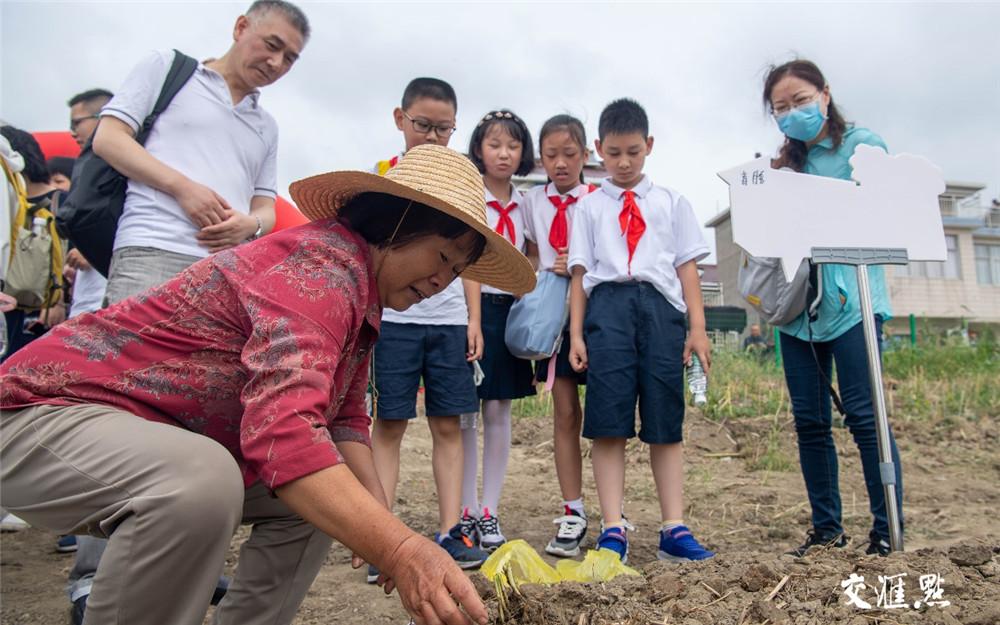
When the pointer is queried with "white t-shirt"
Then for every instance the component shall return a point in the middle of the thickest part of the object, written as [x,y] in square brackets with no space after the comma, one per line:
[539,213]
[447,308]
[672,238]
[88,291]
[230,149]
[517,217]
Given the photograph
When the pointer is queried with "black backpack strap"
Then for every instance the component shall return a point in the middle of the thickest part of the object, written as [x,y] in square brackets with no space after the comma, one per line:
[180,71]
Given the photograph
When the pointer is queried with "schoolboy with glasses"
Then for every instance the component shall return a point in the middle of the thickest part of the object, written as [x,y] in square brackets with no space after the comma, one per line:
[433,341]
[632,255]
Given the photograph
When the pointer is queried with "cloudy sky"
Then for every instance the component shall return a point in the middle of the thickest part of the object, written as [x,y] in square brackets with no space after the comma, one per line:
[924,76]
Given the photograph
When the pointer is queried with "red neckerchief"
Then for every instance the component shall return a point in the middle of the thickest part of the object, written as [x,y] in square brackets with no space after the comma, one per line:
[632,224]
[559,230]
[505,222]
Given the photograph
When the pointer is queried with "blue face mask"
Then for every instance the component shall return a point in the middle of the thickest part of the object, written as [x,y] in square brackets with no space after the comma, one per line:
[803,123]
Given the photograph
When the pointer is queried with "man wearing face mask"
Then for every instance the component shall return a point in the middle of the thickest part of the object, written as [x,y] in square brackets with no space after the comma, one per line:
[818,141]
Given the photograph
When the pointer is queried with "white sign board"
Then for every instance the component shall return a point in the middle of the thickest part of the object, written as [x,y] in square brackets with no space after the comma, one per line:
[892,204]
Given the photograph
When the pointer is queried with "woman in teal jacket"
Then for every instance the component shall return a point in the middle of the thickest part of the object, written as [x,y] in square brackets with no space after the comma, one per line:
[818,141]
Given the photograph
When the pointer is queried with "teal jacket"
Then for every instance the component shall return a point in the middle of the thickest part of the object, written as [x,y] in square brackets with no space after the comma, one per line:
[840,309]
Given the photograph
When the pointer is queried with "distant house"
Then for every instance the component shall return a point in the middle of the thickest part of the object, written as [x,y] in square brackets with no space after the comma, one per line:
[966,287]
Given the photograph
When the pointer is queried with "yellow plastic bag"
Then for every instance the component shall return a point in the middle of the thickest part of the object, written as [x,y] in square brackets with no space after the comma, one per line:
[516,563]
[599,565]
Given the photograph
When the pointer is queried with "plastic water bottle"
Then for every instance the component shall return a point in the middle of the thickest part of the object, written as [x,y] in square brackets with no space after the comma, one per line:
[697,381]
[38,226]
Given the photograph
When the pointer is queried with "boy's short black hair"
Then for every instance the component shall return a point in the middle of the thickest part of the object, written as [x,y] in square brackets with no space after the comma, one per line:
[35,168]
[375,216]
[517,129]
[621,117]
[433,88]
[61,165]
[91,95]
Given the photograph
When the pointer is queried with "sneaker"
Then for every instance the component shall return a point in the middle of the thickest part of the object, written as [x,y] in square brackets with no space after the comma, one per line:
[66,544]
[678,544]
[221,588]
[490,536]
[372,574]
[569,536]
[878,546]
[615,539]
[469,526]
[815,539]
[11,523]
[460,548]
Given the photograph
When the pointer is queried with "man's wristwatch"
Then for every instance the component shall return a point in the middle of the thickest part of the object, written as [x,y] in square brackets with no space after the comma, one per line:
[260,230]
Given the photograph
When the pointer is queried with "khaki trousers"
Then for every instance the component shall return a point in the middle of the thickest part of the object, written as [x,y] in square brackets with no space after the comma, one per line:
[169,501]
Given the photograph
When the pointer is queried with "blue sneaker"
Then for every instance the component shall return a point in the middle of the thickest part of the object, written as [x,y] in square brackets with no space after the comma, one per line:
[461,549]
[678,544]
[614,539]
[66,544]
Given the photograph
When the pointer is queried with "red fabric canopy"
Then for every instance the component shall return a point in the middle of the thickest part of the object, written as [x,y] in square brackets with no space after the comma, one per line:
[286,215]
[57,143]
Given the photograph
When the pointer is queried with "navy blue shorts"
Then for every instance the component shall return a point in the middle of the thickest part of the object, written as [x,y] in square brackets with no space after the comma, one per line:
[505,375]
[407,352]
[563,368]
[635,349]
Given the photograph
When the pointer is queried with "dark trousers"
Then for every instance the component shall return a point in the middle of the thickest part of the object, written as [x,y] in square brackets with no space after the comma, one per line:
[810,396]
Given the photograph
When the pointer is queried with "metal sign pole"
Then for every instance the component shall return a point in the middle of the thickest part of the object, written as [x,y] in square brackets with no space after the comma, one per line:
[861,258]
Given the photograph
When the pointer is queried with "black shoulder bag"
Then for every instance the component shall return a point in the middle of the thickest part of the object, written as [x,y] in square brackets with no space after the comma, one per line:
[89,215]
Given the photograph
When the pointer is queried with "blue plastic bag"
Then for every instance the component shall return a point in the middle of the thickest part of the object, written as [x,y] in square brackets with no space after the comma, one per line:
[536,321]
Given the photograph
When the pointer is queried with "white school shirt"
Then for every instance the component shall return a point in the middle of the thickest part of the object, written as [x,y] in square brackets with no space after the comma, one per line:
[672,238]
[517,216]
[229,149]
[539,213]
[447,308]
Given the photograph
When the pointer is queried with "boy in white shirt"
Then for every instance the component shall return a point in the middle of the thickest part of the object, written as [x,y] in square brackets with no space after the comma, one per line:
[633,254]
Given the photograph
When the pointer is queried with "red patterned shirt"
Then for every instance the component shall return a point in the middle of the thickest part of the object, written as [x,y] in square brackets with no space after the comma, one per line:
[263,348]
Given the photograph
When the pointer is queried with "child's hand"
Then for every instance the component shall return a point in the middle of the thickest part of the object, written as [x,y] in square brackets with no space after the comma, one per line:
[698,343]
[559,266]
[474,336]
[578,355]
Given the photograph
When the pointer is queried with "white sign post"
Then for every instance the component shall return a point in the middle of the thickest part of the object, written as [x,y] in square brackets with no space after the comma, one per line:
[889,216]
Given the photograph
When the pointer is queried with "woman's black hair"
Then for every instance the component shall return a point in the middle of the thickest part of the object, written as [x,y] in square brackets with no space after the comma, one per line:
[571,125]
[793,152]
[378,216]
[516,127]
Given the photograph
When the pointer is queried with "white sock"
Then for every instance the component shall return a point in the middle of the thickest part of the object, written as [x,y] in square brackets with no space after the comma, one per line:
[576,506]
[470,467]
[496,449]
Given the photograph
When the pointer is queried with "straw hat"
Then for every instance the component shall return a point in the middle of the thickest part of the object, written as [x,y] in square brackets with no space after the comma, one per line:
[440,178]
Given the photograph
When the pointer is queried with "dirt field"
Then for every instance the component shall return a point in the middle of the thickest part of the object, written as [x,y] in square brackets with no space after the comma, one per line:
[750,516]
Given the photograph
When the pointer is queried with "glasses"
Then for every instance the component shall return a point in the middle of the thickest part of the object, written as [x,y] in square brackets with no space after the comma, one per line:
[76,121]
[423,126]
[783,109]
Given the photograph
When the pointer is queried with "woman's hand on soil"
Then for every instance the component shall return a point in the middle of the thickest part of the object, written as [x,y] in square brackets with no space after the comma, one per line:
[430,583]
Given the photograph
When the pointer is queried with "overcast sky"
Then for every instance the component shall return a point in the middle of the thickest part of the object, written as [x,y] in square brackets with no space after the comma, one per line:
[924,76]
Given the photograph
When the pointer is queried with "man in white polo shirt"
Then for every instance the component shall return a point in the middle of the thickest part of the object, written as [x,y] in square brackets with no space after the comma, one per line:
[205,180]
